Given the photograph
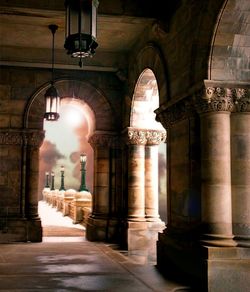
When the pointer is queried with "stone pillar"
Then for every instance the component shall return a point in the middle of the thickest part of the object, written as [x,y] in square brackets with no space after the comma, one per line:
[136,174]
[33,140]
[154,138]
[98,225]
[240,153]
[214,109]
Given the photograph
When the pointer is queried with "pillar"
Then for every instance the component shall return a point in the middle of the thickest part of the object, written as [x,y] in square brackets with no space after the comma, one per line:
[240,156]
[136,175]
[100,225]
[154,138]
[33,140]
[216,168]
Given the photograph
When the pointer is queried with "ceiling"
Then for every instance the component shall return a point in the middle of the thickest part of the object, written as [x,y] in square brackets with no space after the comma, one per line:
[27,41]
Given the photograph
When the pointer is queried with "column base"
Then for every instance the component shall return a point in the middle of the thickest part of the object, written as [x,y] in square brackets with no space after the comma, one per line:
[204,268]
[20,230]
[242,240]
[102,229]
[139,238]
[218,240]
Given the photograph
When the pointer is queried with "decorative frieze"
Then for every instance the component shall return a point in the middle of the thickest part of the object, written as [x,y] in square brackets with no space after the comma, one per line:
[175,112]
[21,137]
[8,137]
[145,136]
[104,139]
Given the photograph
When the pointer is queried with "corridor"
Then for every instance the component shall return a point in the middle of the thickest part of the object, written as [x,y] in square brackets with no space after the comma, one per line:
[66,261]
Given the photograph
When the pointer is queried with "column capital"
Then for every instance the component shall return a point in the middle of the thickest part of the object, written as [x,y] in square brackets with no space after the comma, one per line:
[213,99]
[215,96]
[21,137]
[138,136]
[107,139]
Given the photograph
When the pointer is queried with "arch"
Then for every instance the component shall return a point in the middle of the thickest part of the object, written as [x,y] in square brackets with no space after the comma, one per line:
[151,58]
[145,101]
[229,55]
[104,116]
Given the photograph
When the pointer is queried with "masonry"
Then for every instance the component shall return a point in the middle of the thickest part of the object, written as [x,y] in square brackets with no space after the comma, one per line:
[182,80]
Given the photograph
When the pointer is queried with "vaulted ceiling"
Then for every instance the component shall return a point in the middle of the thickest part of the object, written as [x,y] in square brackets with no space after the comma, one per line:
[26,39]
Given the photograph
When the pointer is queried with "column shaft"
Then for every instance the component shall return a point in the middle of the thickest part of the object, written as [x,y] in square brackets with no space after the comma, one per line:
[136,179]
[240,136]
[216,178]
[101,181]
[151,183]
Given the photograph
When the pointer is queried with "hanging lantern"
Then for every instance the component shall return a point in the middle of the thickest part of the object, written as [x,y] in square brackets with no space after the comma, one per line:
[52,99]
[81,18]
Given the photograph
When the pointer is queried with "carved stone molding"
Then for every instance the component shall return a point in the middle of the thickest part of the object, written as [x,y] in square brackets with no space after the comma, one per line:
[145,136]
[104,139]
[8,137]
[175,112]
[21,137]
[214,99]
[241,98]
[34,138]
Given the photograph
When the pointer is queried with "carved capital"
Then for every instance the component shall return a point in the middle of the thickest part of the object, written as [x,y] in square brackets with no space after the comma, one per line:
[10,137]
[241,98]
[104,139]
[136,136]
[214,99]
[145,136]
[33,138]
[155,137]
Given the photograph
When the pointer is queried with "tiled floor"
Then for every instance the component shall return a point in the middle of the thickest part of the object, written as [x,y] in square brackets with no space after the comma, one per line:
[73,264]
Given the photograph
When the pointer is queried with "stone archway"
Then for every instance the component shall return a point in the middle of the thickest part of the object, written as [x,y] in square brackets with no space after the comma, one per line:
[33,125]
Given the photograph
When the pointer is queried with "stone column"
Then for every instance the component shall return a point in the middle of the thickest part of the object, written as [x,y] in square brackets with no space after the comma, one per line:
[240,153]
[101,146]
[136,174]
[214,109]
[100,224]
[32,141]
[154,138]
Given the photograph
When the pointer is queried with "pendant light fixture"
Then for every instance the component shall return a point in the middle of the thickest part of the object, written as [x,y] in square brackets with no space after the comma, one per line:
[52,99]
[81,27]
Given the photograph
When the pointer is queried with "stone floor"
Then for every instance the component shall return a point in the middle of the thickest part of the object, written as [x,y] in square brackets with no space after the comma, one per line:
[71,263]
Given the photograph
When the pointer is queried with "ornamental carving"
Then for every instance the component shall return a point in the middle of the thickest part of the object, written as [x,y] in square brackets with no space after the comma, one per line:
[34,138]
[145,137]
[105,140]
[176,112]
[22,137]
[241,98]
[214,99]
[10,138]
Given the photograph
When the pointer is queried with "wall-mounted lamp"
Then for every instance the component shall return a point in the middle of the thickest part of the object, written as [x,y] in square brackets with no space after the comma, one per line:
[81,27]
[52,99]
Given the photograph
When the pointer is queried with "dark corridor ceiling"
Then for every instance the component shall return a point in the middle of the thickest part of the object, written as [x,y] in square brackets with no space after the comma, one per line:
[26,39]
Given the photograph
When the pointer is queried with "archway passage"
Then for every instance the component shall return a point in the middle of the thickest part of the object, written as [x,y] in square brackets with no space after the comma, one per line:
[145,135]
[60,170]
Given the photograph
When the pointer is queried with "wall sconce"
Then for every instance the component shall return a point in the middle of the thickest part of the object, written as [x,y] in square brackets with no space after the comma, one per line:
[81,27]
[52,99]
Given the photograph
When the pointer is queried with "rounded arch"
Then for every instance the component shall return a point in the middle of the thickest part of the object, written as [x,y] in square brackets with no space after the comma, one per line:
[229,54]
[145,102]
[104,116]
[149,57]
